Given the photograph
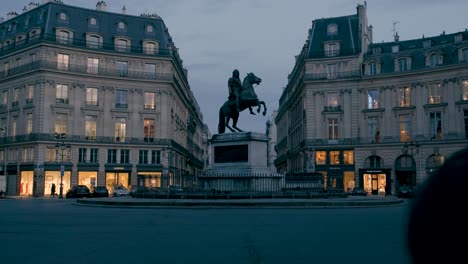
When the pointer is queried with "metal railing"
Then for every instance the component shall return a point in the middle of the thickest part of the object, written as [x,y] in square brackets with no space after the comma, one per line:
[331,76]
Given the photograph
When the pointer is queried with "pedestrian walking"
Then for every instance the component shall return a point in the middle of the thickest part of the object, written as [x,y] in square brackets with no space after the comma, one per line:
[52,190]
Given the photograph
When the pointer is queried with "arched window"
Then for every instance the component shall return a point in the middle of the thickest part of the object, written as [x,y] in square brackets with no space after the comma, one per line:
[93,41]
[149,28]
[92,21]
[122,45]
[63,16]
[149,48]
[436,59]
[121,25]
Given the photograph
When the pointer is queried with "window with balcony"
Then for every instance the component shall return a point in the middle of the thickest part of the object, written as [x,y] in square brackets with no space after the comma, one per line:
[124,156]
[121,99]
[332,49]
[93,66]
[405,128]
[93,155]
[403,64]
[29,94]
[92,42]
[155,157]
[435,126]
[92,96]
[111,156]
[148,129]
[373,99]
[435,93]
[14,126]
[143,157]
[332,71]
[149,48]
[149,98]
[348,157]
[29,123]
[61,121]
[16,95]
[404,99]
[120,127]
[122,68]
[90,127]
[334,157]
[333,129]
[82,155]
[436,60]
[150,70]
[320,157]
[373,127]
[61,93]
[121,45]
[465,90]
[63,61]
[63,37]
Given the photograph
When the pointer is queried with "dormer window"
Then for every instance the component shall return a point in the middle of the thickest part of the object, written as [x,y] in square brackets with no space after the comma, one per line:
[395,48]
[376,50]
[332,49]
[403,64]
[458,38]
[436,59]
[121,25]
[427,44]
[63,16]
[149,28]
[122,45]
[92,21]
[332,30]
[372,68]
[64,36]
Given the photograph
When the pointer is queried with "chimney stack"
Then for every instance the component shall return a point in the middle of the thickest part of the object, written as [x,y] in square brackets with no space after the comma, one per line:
[101,6]
[11,15]
[124,10]
[397,38]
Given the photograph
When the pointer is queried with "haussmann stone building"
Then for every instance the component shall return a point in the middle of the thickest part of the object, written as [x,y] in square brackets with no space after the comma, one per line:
[95,98]
[372,115]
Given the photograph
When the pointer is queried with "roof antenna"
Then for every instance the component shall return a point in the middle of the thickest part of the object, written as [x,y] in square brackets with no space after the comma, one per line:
[394,28]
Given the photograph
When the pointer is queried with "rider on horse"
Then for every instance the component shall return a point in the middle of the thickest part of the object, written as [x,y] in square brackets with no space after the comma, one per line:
[235,86]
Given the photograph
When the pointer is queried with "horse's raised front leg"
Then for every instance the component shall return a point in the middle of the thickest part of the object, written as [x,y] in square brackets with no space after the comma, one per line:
[264,107]
[251,112]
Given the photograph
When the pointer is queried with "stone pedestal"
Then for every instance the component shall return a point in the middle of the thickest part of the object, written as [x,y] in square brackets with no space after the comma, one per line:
[239,163]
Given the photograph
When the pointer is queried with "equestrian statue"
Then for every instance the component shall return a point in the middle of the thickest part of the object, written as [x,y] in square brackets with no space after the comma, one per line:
[241,97]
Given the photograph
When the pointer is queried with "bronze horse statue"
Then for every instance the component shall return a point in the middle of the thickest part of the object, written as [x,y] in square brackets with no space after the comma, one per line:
[247,99]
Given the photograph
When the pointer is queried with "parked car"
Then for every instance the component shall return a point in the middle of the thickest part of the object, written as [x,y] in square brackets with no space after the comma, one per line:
[78,191]
[406,191]
[119,191]
[100,191]
[135,190]
[358,192]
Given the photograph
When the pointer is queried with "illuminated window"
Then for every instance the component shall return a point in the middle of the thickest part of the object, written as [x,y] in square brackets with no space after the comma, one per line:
[332,99]
[149,100]
[61,121]
[61,93]
[91,96]
[63,61]
[435,93]
[29,123]
[404,97]
[373,99]
[29,94]
[405,128]
[90,127]
[334,157]
[348,157]
[148,128]
[320,157]
[120,129]
[465,90]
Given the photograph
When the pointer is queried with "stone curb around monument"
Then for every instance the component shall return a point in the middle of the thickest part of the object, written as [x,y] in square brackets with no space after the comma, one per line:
[236,204]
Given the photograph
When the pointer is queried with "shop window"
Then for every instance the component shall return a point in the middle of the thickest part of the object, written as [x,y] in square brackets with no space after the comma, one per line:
[320,157]
[334,157]
[26,184]
[348,157]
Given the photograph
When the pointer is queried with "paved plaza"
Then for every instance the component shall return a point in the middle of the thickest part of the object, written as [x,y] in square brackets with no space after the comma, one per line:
[53,231]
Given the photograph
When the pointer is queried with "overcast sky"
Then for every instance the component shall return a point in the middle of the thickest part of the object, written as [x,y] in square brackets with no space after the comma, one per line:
[263,36]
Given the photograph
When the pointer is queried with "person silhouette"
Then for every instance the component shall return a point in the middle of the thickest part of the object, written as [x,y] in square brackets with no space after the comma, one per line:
[438,218]
[52,190]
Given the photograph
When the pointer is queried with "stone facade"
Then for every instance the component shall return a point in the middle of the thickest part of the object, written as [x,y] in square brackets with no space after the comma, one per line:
[111,86]
[373,115]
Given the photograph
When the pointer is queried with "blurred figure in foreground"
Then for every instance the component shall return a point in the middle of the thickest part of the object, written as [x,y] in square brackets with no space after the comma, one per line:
[438,220]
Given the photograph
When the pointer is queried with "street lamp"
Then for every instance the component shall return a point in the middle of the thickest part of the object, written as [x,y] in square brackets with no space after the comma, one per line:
[62,150]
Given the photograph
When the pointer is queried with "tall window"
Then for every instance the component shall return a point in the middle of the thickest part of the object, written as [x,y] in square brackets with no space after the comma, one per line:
[331,71]
[405,128]
[61,124]
[124,156]
[122,68]
[348,157]
[373,127]
[333,129]
[5,98]
[6,68]
[111,156]
[90,127]
[372,68]
[435,93]
[143,157]
[29,123]
[16,95]
[14,126]
[81,155]
[91,96]
[404,97]
[63,61]
[61,93]
[332,99]
[29,94]
[121,99]
[465,90]
[148,128]
[373,99]
[320,157]
[435,125]
[150,70]
[121,45]
[436,59]
[149,100]
[403,64]
[93,157]
[119,129]
[155,157]
[63,37]
[334,157]
[332,49]
[93,42]
[93,65]
[149,48]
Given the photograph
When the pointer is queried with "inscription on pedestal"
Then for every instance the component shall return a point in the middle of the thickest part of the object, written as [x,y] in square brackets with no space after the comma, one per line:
[232,153]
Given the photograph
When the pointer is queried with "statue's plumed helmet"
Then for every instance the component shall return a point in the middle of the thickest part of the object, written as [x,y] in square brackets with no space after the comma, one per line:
[235,73]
